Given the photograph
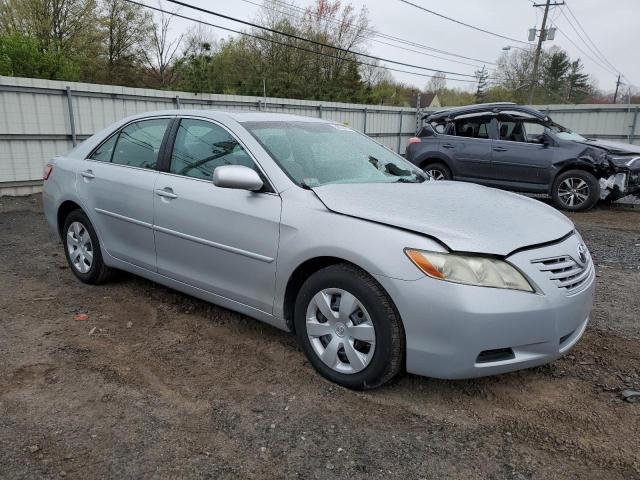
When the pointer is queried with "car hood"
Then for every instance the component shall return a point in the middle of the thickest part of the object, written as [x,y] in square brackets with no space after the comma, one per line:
[615,148]
[464,216]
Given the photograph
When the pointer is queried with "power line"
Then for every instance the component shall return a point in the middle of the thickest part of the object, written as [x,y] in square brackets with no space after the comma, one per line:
[314,42]
[597,50]
[374,33]
[463,23]
[607,69]
[276,42]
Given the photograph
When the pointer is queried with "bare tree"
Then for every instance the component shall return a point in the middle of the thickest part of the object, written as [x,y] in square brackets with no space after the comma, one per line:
[161,52]
[125,29]
[437,83]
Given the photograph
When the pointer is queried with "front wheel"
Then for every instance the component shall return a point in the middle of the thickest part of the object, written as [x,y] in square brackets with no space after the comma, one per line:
[348,328]
[437,171]
[575,191]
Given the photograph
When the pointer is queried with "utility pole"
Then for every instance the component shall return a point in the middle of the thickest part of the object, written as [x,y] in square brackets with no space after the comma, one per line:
[615,95]
[541,38]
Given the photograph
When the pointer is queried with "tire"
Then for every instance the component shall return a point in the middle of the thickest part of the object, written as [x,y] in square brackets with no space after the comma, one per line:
[438,171]
[87,264]
[575,191]
[379,353]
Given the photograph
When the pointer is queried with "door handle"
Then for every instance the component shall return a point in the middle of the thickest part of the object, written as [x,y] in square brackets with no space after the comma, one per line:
[166,192]
[499,149]
[447,145]
[88,174]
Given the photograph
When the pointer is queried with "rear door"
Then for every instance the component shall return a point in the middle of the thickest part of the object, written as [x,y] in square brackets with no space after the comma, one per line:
[469,148]
[116,186]
[221,240]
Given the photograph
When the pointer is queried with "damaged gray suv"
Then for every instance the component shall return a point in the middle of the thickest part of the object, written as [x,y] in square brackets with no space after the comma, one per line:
[518,148]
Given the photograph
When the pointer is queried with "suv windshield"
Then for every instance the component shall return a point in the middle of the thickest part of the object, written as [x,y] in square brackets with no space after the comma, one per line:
[564,133]
[318,153]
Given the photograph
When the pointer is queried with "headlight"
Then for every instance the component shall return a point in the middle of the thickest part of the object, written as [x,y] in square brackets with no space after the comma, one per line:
[625,161]
[470,270]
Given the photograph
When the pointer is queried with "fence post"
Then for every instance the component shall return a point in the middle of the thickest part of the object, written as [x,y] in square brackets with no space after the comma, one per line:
[418,112]
[364,130]
[632,132]
[72,121]
[259,105]
[177,100]
[400,132]
[319,110]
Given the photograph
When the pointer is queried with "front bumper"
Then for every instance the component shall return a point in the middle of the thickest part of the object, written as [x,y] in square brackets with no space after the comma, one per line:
[462,331]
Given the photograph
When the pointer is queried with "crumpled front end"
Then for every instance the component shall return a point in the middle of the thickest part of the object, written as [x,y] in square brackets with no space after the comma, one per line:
[624,180]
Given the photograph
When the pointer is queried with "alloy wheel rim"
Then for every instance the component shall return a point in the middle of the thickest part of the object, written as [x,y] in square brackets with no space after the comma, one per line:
[340,330]
[435,175]
[79,247]
[573,191]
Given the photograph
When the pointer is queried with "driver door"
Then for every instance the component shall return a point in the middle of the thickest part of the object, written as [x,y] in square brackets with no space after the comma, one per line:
[221,240]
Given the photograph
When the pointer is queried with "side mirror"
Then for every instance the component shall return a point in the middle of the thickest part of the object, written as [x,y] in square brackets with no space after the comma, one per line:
[238,177]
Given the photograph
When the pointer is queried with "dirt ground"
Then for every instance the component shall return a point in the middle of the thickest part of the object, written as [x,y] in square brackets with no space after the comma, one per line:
[160,385]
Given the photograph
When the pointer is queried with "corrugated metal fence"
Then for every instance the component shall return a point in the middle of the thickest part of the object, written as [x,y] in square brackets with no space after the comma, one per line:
[42,118]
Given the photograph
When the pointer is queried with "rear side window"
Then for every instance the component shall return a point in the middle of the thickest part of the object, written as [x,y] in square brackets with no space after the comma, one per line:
[200,147]
[473,128]
[103,152]
[139,143]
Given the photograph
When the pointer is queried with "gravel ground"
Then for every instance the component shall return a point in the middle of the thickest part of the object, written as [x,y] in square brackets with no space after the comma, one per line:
[157,384]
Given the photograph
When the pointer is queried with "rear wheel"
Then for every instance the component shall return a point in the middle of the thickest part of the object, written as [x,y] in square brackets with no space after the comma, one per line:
[575,190]
[82,249]
[437,171]
[348,327]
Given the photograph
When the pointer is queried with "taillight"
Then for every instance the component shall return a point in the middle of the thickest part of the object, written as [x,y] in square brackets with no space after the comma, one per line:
[48,168]
[413,140]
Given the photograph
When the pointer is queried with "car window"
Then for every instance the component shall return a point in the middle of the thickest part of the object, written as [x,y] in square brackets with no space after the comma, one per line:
[521,131]
[139,143]
[473,128]
[103,152]
[200,147]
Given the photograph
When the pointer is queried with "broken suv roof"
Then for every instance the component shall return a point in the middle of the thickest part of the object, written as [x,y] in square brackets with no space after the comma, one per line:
[497,106]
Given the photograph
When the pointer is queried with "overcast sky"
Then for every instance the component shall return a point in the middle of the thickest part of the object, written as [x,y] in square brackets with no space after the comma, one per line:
[611,24]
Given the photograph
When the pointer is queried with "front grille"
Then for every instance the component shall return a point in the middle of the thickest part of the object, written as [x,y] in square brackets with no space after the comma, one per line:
[565,272]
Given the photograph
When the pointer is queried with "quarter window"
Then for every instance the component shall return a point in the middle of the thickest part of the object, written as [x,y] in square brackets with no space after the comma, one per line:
[103,152]
[139,143]
[200,147]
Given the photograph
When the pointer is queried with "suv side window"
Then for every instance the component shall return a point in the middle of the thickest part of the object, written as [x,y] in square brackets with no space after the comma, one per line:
[512,131]
[473,128]
[201,146]
[139,143]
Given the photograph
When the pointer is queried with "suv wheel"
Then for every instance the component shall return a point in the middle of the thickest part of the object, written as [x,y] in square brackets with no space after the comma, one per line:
[82,249]
[348,328]
[437,171]
[575,190]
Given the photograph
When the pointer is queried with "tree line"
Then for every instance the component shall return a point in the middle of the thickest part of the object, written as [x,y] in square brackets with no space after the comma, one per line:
[120,43]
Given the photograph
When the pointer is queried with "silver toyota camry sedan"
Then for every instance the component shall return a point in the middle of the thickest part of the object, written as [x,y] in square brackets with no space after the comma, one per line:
[316,229]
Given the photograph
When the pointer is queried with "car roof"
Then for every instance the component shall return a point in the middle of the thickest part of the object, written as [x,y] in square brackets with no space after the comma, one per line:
[480,107]
[241,117]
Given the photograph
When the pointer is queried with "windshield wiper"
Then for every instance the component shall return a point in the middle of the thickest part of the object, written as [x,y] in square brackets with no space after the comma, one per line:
[409,180]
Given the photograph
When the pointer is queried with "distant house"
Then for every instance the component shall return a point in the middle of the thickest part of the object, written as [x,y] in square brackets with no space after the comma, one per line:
[426,100]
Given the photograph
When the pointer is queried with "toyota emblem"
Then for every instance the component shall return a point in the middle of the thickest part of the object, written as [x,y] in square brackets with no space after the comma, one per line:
[582,253]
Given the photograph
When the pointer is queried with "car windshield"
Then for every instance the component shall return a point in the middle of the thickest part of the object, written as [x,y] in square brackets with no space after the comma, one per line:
[564,133]
[318,153]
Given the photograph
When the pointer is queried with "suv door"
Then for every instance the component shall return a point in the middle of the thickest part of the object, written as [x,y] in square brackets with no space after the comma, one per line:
[116,186]
[221,240]
[517,160]
[468,145]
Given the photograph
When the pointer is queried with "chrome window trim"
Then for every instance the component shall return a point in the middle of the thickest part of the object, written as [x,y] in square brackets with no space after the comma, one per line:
[117,132]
